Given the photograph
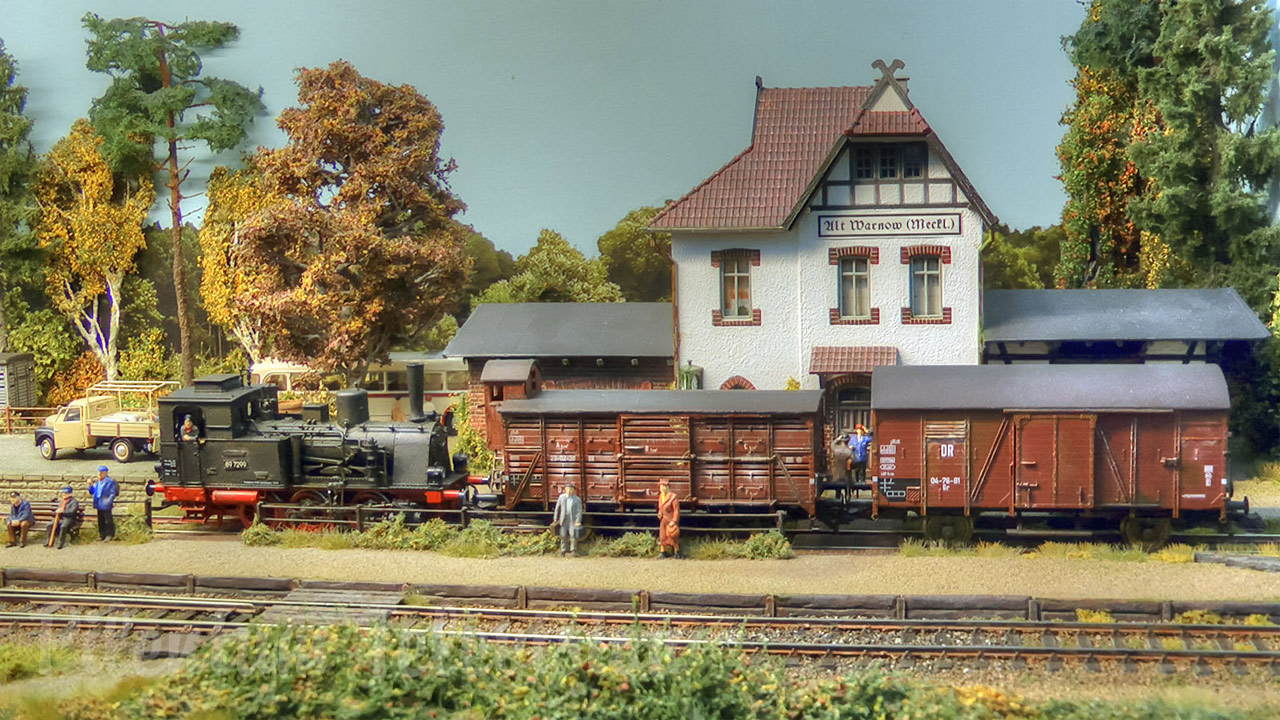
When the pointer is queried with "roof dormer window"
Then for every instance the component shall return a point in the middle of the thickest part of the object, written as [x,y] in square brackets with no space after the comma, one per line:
[889,161]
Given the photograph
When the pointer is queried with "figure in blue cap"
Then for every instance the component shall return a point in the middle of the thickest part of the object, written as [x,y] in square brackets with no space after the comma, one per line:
[104,491]
[66,517]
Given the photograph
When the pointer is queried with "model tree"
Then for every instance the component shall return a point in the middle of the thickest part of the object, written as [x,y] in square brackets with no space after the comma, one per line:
[1163,163]
[233,198]
[18,252]
[91,228]
[638,259]
[554,271]
[361,251]
[158,107]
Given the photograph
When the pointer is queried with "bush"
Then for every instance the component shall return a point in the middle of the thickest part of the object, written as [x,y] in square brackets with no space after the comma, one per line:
[25,660]
[632,544]
[292,671]
[432,535]
[132,529]
[389,534]
[1175,554]
[259,535]
[480,458]
[771,545]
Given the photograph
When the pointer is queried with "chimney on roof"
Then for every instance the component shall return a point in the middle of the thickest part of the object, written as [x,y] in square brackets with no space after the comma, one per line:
[887,72]
[759,82]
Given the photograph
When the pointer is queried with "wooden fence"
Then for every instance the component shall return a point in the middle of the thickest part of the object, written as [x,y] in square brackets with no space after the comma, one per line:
[23,419]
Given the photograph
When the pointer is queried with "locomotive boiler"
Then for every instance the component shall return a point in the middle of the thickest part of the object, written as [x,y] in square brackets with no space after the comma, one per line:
[224,448]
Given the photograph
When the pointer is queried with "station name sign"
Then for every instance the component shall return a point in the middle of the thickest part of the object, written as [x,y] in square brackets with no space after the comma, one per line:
[888,225]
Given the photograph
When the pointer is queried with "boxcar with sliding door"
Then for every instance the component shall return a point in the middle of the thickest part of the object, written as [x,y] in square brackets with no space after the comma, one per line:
[1137,446]
[720,449]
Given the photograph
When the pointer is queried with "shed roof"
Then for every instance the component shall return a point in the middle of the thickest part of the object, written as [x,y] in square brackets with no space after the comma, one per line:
[856,359]
[6,358]
[1058,387]
[507,371]
[559,330]
[640,402]
[1067,315]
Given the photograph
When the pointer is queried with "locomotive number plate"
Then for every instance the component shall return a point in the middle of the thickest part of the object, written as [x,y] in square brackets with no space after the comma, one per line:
[235,465]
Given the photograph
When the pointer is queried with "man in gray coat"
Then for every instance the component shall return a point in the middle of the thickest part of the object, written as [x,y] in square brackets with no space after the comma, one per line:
[568,519]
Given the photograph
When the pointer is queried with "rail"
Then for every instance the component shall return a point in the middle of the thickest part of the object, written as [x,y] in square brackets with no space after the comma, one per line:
[1172,646]
[24,419]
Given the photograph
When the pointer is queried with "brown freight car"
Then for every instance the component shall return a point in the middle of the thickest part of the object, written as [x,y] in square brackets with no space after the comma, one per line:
[721,449]
[1130,445]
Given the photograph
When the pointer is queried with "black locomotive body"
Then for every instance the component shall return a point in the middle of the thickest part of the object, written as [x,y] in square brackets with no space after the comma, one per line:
[238,451]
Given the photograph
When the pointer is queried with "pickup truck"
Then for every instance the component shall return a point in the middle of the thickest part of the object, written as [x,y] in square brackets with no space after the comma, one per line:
[98,420]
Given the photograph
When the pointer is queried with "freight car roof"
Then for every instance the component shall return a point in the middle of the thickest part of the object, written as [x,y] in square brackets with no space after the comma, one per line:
[1057,387]
[561,330]
[1073,315]
[641,402]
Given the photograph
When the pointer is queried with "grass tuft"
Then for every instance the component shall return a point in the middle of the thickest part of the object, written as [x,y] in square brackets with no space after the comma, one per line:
[1199,617]
[1094,616]
[1175,554]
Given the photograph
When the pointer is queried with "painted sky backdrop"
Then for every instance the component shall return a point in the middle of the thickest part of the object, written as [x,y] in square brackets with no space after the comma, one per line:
[567,114]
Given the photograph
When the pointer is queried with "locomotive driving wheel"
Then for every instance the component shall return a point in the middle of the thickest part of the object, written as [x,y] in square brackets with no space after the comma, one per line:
[1148,532]
[313,516]
[948,529]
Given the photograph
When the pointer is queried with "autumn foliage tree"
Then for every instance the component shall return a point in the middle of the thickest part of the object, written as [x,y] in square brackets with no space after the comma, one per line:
[90,225]
[233,198]
[158,96]
[360,252]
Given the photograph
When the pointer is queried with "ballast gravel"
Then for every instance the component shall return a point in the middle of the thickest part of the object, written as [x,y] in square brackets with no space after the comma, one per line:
[808,574]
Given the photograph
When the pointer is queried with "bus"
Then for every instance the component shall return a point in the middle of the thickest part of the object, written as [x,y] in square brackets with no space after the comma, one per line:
[444,379]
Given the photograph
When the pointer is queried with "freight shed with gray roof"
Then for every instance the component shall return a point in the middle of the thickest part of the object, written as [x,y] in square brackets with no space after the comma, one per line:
[1116,325]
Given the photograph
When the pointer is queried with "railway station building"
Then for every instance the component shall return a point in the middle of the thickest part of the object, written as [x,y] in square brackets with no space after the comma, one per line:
[843,238]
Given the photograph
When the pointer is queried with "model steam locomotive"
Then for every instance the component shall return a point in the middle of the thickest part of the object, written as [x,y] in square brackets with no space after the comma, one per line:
[238,451]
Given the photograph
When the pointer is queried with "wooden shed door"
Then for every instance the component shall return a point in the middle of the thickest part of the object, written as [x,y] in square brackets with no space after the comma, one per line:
[1054,461]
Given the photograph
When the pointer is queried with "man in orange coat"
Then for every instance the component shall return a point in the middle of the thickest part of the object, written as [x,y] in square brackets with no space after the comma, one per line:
[668,520]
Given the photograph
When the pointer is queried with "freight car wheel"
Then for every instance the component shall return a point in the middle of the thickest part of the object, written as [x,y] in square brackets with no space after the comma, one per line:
[1148,532]
[949,529]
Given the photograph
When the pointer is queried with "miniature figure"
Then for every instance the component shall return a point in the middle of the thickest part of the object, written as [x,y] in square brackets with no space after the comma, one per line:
[568,519]
[841,461]
[20,520]
[64,518]
[104,490]
[189,430]
[668,520]
[860,446]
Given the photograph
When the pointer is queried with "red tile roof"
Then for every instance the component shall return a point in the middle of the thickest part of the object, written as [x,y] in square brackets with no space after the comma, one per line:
[841,360]
[885,122]
[795,132]
[795,129]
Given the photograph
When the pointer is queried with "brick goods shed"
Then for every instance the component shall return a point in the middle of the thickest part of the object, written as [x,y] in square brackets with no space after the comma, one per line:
[618,346]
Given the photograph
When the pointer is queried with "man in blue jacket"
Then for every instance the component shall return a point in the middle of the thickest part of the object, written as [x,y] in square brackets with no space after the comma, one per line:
[104,491]
[860,446]
[20,520]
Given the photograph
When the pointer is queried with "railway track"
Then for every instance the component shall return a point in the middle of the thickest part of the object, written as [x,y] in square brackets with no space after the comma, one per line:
[1172,647]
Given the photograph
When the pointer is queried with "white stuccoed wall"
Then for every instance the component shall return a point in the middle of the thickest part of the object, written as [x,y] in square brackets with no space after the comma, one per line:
[795,286]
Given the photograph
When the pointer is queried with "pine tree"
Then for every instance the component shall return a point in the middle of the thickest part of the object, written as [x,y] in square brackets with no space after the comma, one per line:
[19,254]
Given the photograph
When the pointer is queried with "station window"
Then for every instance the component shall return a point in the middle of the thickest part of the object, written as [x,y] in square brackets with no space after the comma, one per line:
[735,285]
[926,286]
[889,161]
[855,287]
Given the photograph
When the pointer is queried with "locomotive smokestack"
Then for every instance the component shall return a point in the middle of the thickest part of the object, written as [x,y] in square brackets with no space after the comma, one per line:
[415,392]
